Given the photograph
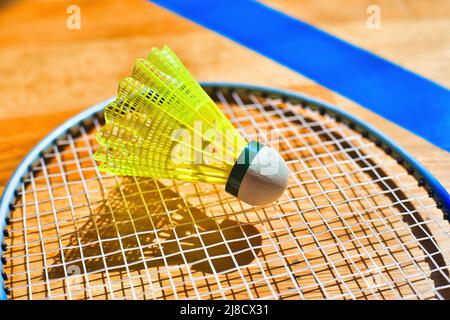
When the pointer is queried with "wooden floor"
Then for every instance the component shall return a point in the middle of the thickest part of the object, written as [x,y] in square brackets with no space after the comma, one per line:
[49,73]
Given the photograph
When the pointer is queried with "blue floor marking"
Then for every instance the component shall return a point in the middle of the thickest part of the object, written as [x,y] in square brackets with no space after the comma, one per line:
[408,99]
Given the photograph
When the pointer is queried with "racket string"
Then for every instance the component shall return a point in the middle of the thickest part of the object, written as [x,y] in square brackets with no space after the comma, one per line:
[339,232]
[321,164]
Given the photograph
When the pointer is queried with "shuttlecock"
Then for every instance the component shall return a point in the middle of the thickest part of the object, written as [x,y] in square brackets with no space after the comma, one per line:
[163,125]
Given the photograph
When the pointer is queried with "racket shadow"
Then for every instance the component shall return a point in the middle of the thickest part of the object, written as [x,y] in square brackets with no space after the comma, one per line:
[143,224]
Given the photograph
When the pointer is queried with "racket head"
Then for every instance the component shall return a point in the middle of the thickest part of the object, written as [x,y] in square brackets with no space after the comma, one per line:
[243,104]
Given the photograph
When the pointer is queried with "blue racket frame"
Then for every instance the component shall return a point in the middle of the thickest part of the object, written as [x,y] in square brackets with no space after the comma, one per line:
[422,175]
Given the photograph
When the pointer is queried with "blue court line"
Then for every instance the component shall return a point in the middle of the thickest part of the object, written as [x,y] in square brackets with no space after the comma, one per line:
[408,99]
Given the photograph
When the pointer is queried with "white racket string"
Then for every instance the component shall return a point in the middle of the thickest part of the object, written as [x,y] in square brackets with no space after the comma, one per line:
[353,224]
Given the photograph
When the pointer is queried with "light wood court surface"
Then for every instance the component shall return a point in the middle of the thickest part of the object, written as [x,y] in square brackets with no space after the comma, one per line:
[49,73]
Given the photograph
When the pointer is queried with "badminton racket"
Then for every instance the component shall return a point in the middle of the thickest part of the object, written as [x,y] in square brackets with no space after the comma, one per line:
[361,219]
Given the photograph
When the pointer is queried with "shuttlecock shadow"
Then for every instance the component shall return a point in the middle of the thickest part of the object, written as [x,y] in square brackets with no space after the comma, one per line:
[144,224]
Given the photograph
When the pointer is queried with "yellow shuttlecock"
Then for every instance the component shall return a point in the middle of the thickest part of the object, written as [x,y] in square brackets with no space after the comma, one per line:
[163,125]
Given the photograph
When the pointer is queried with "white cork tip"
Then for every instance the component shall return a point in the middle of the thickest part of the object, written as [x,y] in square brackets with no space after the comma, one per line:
[266,178]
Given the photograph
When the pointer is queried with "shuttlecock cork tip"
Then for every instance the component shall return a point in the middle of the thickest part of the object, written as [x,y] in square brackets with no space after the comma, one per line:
[259,176]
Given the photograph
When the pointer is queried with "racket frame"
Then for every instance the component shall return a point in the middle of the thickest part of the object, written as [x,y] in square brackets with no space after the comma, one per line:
[421,174]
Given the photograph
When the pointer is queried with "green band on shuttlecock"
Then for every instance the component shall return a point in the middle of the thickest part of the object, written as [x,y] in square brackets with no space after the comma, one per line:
[241,166]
